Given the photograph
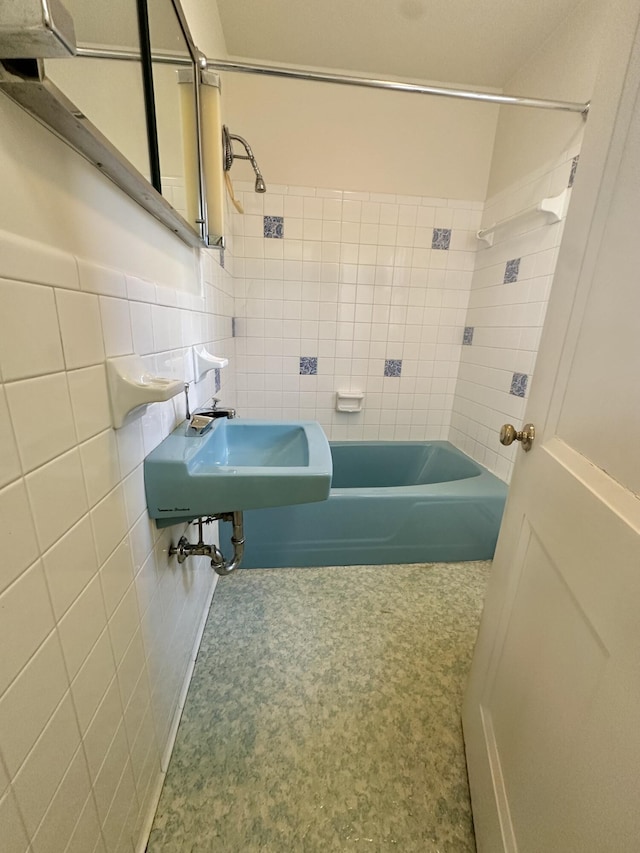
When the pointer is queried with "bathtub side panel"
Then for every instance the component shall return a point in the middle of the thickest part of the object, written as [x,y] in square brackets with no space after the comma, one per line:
[445,523]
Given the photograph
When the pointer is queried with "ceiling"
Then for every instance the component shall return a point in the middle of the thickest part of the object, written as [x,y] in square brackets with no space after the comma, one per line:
[464,42]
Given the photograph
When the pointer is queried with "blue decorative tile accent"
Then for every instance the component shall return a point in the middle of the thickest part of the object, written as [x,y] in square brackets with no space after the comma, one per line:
[392,366]
[308,365]
[511,271]
[441,238]
[216,371]
[519,384]
[274,227]
[574,166]
[467,336]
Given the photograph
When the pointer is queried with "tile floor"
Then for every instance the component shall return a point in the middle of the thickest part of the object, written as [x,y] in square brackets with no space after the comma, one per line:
[324,714]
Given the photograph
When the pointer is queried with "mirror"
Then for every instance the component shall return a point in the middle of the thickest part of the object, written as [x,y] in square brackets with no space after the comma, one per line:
[108,92]
[128,102]
[175,106]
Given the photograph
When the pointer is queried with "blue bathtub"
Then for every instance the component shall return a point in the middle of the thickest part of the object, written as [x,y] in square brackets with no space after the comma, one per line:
[390,502]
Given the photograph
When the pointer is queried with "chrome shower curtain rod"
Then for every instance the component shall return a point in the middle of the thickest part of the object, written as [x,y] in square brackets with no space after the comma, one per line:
[395,86]
[346,80]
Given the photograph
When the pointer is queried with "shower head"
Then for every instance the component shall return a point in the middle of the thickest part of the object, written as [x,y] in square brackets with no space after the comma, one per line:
[228,156]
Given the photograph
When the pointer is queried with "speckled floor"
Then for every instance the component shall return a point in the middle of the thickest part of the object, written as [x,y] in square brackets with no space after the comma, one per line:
[324,714]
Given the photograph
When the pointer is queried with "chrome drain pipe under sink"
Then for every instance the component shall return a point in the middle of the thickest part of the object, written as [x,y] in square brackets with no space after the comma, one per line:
[185,549]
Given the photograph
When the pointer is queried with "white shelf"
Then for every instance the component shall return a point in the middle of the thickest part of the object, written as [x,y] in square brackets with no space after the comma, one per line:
[553,209]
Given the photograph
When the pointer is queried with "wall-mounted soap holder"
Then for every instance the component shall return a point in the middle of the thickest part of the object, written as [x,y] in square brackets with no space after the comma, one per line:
[173,364]
[132,387]
[203,362]
[349,401]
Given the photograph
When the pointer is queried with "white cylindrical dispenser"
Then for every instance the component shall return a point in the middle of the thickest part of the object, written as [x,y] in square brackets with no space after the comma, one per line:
[212,152]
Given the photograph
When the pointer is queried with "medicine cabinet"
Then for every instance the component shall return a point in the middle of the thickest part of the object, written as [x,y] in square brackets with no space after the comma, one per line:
[121,82]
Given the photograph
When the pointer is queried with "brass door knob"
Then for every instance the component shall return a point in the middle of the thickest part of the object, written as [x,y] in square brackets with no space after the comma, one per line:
[509,434]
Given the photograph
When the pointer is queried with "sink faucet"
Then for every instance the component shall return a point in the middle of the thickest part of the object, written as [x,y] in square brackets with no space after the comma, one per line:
[202,420]
[215,412]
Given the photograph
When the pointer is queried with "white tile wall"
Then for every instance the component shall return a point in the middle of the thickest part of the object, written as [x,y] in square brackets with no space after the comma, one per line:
[9,461]
[35,444]
[69,565]
[79,316]
[97,625]
[30,342]
[354,282]
[507,318]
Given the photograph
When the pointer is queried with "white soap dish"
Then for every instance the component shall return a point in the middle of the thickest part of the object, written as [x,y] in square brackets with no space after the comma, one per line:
[203,362]
[349,401]
[132,387]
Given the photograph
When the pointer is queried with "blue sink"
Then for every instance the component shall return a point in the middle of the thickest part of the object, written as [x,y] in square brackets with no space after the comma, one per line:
[237,465]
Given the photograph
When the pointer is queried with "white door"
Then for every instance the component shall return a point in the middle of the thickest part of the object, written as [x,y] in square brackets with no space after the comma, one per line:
[552,711]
